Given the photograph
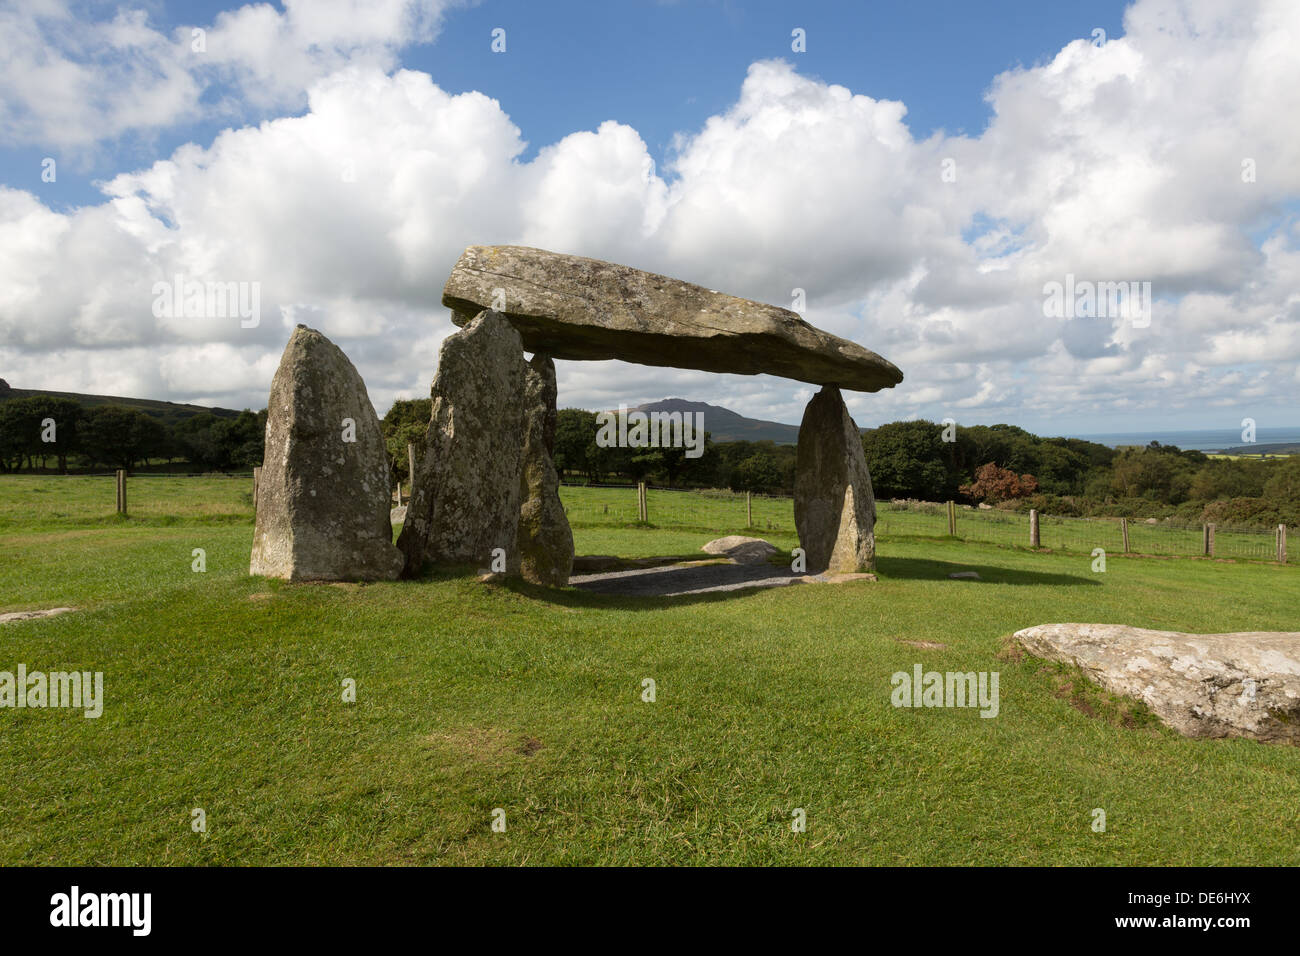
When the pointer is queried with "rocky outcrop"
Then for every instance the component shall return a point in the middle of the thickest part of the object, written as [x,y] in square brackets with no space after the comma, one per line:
[465,502]
[1202,685]
[544,542]
[575,308]
[834,509]
[323,497]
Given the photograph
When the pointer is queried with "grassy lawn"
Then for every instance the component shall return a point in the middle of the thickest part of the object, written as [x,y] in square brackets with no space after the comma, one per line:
[223,692]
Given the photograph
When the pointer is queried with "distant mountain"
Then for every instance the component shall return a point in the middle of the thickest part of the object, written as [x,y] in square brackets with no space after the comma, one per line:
[725,425]
[170,413]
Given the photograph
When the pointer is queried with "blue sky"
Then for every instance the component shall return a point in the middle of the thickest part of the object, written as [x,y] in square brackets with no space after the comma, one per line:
[665,67]
[1112,160]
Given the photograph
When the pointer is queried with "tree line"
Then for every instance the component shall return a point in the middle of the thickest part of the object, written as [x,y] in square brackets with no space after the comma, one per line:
[38,432]
[999,465]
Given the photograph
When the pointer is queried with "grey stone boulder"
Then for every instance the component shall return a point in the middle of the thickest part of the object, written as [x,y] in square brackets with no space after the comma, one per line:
[1245,684]
[834,509]
[324,494]
[741,549]
[544,541]
[466,495]
[570,307]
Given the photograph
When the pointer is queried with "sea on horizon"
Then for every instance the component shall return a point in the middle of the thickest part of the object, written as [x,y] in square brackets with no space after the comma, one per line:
[1206,439]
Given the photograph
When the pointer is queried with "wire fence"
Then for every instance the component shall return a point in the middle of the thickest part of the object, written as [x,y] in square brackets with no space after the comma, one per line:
[727,511]
[68,499]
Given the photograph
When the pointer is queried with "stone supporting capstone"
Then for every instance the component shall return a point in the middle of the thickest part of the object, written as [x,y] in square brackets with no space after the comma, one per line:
[834,509]
[544,542]
[466,498]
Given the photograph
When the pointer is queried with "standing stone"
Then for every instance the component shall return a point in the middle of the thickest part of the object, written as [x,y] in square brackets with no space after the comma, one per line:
[465,501]
[544,542]
[324,494]
[834,509]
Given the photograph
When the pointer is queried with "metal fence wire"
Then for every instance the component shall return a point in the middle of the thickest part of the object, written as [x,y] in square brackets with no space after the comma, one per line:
[728,511]
[92,497]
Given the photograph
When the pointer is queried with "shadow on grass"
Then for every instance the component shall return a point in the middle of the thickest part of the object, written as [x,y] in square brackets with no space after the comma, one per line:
[924,569]
[638,591]
[571,596]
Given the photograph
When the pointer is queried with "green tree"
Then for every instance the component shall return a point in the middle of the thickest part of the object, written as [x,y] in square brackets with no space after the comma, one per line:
[575,439]
[37,427]
[758,472]
[909,460]
[120,436]
[407,422]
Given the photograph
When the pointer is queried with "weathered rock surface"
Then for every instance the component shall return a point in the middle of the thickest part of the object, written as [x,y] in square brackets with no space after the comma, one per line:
[575,308]
[543,542]
[834,509]
[323,500]
[12,616]
[465,500]
[741,549]
[1202,685]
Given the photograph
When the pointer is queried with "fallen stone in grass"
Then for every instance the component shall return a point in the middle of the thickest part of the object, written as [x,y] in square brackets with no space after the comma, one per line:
[11,616]
[838,577]
[740,549]
[965,576]
[1245,684]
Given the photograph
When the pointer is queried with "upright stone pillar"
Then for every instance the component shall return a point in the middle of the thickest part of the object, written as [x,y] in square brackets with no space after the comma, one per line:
[544,542]
[466,496]
[323,493]
[834,508]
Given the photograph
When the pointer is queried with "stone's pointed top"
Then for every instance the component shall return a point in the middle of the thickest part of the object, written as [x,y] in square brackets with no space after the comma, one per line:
[576,308]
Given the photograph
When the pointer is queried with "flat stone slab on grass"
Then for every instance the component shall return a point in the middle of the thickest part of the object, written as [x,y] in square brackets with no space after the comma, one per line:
[1245,684]
[11,616]
[740,549]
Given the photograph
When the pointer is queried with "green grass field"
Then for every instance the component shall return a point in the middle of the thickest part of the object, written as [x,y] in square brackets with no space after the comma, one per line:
[224,692]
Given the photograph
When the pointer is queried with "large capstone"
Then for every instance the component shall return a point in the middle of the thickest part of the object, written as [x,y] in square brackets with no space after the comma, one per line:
[465,501]
[324,493]
[544,542]
[1245,684]
[834,509]
[575,308]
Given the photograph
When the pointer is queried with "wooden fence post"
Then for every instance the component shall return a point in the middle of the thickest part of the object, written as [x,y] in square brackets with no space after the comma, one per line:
[952,519]
[1034,541]
[642,505]
[749,511]
[121,491]
[1281,543]
[1123,530]
[257,485]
